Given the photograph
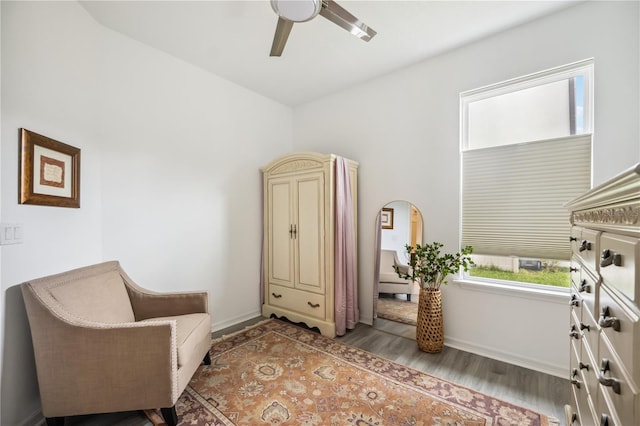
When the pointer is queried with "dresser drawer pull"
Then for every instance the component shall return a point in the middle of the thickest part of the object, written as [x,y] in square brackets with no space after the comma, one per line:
[607,321]
[575,383]
[584,286]
[277,296]
[584,326]
[604,420]
[574,300]
[574,333]
[583,366]
[585,245]
[573,239]
[572,269]
[610,258]
[611,382]
[313,305]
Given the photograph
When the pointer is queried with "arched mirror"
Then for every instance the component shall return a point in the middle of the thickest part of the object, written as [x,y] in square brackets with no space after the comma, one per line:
[396,299]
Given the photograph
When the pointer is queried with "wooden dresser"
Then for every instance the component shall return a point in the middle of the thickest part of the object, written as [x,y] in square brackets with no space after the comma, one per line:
[299,238]
[604,327]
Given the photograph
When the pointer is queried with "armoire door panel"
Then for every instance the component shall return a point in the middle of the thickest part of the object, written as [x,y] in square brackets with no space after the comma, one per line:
[281,268]
[309,238]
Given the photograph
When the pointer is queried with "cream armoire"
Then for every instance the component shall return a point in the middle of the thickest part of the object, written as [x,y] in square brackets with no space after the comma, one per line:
[299,238]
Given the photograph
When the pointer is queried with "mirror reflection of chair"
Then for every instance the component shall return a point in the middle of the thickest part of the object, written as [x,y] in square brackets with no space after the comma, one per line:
[389,281]
[398,224]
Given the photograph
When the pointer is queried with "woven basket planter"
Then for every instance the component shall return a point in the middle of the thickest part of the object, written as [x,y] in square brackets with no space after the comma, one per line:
[429,328]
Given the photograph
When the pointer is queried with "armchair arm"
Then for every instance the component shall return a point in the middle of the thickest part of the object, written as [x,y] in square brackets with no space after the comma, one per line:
[403,269]
[149,304]
[88,367]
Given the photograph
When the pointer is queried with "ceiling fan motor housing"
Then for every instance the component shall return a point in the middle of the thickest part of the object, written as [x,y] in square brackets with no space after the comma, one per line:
[297,10]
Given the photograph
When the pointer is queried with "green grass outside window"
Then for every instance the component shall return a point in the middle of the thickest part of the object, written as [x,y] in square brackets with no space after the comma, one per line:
[555,276]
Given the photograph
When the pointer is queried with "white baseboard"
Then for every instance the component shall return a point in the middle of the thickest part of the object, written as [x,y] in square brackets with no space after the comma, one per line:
[511,358]
[228,322]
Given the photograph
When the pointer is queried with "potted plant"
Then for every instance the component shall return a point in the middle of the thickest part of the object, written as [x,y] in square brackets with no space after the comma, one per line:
[430,268]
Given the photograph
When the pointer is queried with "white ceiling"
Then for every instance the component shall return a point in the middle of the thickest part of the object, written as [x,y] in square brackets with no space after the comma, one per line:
[232,39]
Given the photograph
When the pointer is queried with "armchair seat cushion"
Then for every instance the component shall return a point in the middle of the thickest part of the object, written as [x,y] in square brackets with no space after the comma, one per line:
[190,329]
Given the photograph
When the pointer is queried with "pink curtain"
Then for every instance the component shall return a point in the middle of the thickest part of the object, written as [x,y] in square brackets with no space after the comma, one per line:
[346,274]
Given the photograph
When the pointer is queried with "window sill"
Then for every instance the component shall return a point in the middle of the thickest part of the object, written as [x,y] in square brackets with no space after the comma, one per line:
[553,294]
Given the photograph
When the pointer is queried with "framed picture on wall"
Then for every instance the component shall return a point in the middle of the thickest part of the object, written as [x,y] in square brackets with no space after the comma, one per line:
[49,171]
[386,218]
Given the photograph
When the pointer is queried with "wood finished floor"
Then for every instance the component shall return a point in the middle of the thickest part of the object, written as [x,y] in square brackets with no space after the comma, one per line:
[538,391]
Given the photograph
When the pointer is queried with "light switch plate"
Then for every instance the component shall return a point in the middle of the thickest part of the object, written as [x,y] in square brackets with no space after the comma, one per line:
[11,233]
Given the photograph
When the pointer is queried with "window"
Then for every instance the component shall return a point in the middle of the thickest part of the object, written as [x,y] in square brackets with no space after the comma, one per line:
[526,151]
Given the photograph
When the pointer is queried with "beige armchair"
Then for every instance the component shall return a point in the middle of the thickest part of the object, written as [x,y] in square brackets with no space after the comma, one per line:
[103,344]
[389,281]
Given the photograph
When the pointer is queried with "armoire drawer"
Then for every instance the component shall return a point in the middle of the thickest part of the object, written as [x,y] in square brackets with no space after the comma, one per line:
[297,300]
[619,263]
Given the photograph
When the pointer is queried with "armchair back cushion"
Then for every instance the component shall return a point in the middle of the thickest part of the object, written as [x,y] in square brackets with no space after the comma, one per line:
[99,298]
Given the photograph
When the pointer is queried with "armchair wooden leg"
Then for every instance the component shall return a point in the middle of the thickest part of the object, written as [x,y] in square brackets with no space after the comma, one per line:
[207,359]
[170,415]
[55,421]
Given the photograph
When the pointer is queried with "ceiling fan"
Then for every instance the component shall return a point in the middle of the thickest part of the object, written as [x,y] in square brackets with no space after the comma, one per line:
[290,11]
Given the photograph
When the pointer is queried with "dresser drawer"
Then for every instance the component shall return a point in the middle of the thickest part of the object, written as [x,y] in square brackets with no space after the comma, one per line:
[620,325]
[619,263]
[616,393]
[588,250]
[605,413]
[590,332]
[583,371]
[575,238]
[575,335]
[297,300]
[574,269]
[588,287]
[582,402]
[581,415]
[576,304]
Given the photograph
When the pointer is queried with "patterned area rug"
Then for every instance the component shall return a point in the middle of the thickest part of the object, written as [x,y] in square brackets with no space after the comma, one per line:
[398,310]
[275,373]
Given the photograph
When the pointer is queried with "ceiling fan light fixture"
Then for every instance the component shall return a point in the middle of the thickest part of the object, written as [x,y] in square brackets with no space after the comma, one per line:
[297,10]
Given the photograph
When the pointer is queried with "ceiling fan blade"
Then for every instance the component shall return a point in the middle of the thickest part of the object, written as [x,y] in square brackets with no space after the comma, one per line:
[339,16]
[280,37]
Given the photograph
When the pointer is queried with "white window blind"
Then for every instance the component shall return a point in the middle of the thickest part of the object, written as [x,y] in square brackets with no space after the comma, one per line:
[514,195]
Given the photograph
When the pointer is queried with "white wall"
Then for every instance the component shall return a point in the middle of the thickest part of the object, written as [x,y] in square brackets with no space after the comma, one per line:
[47,89]
[398,237]
[170,180]
[408,122]
[181,179]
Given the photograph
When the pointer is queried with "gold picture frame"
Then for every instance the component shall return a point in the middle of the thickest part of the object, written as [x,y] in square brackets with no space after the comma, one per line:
[49,171]
[386,218]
